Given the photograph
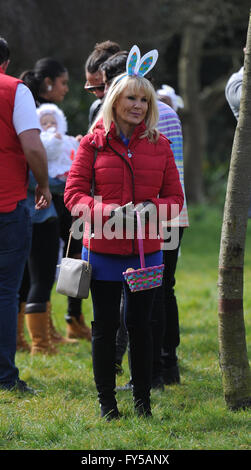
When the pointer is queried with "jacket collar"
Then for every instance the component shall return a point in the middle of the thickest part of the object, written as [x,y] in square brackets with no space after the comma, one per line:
[138,131]
[1,70]
[99,137]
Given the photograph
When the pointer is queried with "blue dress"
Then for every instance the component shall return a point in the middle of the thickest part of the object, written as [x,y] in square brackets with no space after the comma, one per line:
[111,267]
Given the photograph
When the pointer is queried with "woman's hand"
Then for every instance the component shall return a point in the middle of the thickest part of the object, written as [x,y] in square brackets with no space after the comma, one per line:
[127,214]
[124,215]
[145,210]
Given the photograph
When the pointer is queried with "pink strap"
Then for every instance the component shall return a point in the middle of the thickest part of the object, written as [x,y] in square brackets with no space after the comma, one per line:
[140,241]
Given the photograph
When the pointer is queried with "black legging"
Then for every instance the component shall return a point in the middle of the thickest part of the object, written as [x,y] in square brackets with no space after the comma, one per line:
[171,337]
[65,221]
[42,261]
[106,296]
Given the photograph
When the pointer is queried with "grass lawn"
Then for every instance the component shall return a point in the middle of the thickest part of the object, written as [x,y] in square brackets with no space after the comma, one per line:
[189,416]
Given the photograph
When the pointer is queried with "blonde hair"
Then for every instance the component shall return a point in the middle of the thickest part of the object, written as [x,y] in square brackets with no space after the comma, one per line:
[135,84]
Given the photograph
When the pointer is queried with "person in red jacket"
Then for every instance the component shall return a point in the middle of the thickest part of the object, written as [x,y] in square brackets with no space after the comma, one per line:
[135,164]
[20,148]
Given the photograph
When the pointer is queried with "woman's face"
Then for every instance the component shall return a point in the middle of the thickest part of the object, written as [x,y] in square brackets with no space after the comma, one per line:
[131,108]
[59,88]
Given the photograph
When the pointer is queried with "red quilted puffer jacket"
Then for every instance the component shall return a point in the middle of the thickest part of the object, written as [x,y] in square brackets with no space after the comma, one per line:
[143,171]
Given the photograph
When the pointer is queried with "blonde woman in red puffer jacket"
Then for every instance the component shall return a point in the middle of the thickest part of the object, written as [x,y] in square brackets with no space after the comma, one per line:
[133,163]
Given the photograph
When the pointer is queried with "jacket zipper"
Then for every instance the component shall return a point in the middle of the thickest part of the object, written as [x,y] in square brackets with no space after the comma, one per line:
[133,185]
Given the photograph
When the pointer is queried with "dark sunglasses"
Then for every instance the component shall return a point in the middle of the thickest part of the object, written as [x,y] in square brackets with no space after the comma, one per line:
[93,89]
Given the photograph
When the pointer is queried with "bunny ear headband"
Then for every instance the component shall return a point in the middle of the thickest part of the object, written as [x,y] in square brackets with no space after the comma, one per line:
[137,65]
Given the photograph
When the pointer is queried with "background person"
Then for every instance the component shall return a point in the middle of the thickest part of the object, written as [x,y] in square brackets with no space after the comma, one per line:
[94,81]
[165,327]
[20,147]
[233,92]
[167,95]
[49,84]
[60,147]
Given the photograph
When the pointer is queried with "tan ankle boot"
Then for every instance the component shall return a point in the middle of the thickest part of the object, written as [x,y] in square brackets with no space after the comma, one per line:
[39,331]
[56,337]
[77,328]
[22,344]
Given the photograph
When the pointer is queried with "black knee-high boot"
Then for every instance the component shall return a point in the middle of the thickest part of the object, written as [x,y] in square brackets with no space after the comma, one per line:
[103,355]
[140,340]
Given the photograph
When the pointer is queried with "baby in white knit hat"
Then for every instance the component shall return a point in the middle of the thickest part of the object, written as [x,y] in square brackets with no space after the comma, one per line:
[60,147]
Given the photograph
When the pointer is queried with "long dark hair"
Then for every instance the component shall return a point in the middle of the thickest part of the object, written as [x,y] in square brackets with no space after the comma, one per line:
[45,67]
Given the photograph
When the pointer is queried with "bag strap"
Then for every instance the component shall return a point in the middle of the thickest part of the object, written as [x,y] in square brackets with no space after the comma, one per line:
[93,173]
[140,241]
[68,244]
[92,194]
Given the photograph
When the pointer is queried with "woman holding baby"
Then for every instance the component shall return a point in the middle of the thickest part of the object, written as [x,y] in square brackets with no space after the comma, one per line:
[48,82]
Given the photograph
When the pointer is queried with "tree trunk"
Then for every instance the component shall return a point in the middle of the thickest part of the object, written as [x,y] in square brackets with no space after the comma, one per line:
[232,339]
[192,117]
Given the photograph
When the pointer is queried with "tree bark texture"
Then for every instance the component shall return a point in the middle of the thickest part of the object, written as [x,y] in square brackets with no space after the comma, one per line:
[192,117]
[232,338]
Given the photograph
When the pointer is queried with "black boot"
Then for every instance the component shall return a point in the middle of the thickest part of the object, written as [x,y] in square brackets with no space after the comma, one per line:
[141,370]
[121,339]
[118,367]
[170,368]
[158,383]
[109,411]
[157,336]
[103,354]
[143,407]
[138,308]
[128,385]
[171,375]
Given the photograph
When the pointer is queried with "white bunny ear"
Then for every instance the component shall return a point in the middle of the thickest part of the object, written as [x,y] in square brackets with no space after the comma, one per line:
[133,60]
[147,62]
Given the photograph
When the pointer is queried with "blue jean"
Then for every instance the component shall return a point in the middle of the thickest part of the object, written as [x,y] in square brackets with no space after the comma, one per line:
[15,240]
